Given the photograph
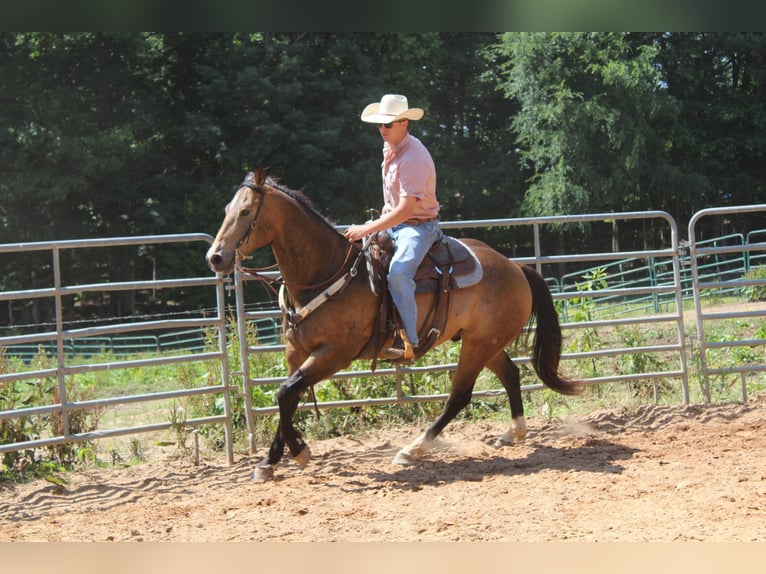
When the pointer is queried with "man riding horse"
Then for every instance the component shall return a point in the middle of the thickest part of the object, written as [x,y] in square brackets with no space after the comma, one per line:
[410,212]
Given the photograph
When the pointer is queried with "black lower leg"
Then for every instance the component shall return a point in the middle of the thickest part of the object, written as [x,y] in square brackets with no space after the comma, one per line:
[508,373]
[288,397]
[514,393]
[455,404]
[277,449]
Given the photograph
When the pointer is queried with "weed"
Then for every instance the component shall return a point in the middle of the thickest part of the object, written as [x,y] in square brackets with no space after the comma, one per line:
[587,338]
[177,418]
[136,450]
[31,462]
[640,362]
[28,428]
[755,292]
[116,457]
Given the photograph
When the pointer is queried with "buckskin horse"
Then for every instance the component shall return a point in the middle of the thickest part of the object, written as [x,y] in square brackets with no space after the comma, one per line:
[331,313]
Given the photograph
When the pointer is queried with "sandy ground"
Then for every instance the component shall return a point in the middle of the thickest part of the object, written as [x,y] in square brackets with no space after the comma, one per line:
[657,473]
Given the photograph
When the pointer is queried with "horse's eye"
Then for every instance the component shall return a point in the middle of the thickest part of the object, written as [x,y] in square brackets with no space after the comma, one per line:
[244,213]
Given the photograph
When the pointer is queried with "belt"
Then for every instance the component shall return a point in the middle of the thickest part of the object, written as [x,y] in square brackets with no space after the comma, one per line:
[415,221]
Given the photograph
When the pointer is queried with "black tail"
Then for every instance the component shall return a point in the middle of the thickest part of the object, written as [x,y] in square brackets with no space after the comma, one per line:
[547,342]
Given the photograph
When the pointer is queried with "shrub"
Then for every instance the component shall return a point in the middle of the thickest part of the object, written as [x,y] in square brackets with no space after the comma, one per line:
[755,293]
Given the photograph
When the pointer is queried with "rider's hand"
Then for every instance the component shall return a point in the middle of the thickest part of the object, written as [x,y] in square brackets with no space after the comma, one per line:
[355,233]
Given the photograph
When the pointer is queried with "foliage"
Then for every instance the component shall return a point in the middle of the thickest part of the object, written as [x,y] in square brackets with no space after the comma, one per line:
[629,121]
[640,362]
[32,462]
[49,463]
[756,292]
[588,337]
[590,105]
[119,134]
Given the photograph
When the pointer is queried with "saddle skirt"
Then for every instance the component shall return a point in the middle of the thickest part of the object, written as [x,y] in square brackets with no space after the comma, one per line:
[448,255]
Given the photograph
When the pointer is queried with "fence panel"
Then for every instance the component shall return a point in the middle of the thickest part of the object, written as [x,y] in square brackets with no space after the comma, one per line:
[603,297]
[733,261]
[69,350]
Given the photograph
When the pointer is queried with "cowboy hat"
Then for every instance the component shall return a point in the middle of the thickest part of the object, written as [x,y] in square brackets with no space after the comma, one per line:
[391,108]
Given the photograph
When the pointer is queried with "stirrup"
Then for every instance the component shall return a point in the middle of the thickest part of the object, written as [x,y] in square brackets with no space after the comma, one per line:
[396,354]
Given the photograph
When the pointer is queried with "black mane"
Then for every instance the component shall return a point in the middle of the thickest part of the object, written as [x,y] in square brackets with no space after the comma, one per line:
[300,198]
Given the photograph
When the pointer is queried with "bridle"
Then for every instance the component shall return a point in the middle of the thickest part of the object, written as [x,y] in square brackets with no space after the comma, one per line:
[246,237]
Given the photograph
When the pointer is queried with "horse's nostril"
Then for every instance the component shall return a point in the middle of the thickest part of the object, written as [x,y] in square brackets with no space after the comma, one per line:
[215,260]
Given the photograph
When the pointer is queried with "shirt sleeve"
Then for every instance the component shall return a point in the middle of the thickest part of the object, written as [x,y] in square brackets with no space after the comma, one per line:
[413,179]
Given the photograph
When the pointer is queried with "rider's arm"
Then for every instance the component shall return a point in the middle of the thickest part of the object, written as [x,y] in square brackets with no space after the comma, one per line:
[402,212]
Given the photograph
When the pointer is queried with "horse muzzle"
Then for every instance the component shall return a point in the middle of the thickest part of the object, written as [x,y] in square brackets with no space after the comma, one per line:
[218,261]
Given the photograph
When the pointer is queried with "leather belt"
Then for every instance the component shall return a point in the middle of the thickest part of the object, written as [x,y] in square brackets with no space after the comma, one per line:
[419,221]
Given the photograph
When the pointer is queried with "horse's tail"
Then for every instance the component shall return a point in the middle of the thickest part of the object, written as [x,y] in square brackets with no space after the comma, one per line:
[547,342]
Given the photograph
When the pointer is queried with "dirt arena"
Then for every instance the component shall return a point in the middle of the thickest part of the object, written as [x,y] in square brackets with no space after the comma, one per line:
[657,473]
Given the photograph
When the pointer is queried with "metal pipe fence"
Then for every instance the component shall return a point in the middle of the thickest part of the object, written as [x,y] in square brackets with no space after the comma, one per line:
[585,319]
[603,298]
[64,402]
[718,356]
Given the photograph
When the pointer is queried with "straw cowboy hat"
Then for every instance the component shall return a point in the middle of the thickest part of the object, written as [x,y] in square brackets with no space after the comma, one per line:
[391,108]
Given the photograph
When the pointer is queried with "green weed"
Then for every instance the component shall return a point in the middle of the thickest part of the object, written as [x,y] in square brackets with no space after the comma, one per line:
[755,292]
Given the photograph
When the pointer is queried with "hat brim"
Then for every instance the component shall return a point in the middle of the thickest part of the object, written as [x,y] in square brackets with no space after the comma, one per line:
[370,114]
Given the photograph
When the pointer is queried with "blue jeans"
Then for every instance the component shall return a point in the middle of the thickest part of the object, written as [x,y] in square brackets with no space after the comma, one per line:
[412,245]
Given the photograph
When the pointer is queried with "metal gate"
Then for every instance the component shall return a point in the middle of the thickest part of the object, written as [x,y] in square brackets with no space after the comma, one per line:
[598,294]
[721,266]
[65,365]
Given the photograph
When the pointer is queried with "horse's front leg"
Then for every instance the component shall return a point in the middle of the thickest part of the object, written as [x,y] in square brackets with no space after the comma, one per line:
[288,398]
[264,470]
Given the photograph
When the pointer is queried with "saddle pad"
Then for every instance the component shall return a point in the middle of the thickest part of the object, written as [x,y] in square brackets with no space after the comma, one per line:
[471,278]
[467,269]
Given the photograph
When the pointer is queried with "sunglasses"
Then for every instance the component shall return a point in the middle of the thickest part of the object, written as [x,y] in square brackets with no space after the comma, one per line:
[389,125]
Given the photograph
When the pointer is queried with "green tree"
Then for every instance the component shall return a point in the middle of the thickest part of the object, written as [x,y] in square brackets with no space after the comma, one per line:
[718,81]
[590,107]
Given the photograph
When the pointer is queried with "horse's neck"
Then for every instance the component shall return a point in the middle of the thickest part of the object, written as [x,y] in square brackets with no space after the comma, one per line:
[309,253]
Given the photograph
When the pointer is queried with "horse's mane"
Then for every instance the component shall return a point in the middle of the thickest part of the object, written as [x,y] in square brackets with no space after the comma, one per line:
[301,198]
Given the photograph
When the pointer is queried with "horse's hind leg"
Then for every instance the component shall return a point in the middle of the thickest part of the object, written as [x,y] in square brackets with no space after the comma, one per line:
[460,395]
[508,373]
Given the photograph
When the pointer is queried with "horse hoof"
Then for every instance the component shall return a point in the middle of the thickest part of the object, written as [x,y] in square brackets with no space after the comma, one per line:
[303,457]
[263,473]
[404,459]
[505,441]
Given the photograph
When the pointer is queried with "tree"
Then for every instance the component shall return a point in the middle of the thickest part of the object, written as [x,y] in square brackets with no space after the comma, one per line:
[587,124]
[109,134]
[719,83]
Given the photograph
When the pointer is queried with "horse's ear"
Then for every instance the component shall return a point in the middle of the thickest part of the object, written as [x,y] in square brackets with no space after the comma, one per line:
[259,176]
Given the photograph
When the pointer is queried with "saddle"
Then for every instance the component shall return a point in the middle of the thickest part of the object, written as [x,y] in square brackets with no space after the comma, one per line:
[446,255]
[448,265]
